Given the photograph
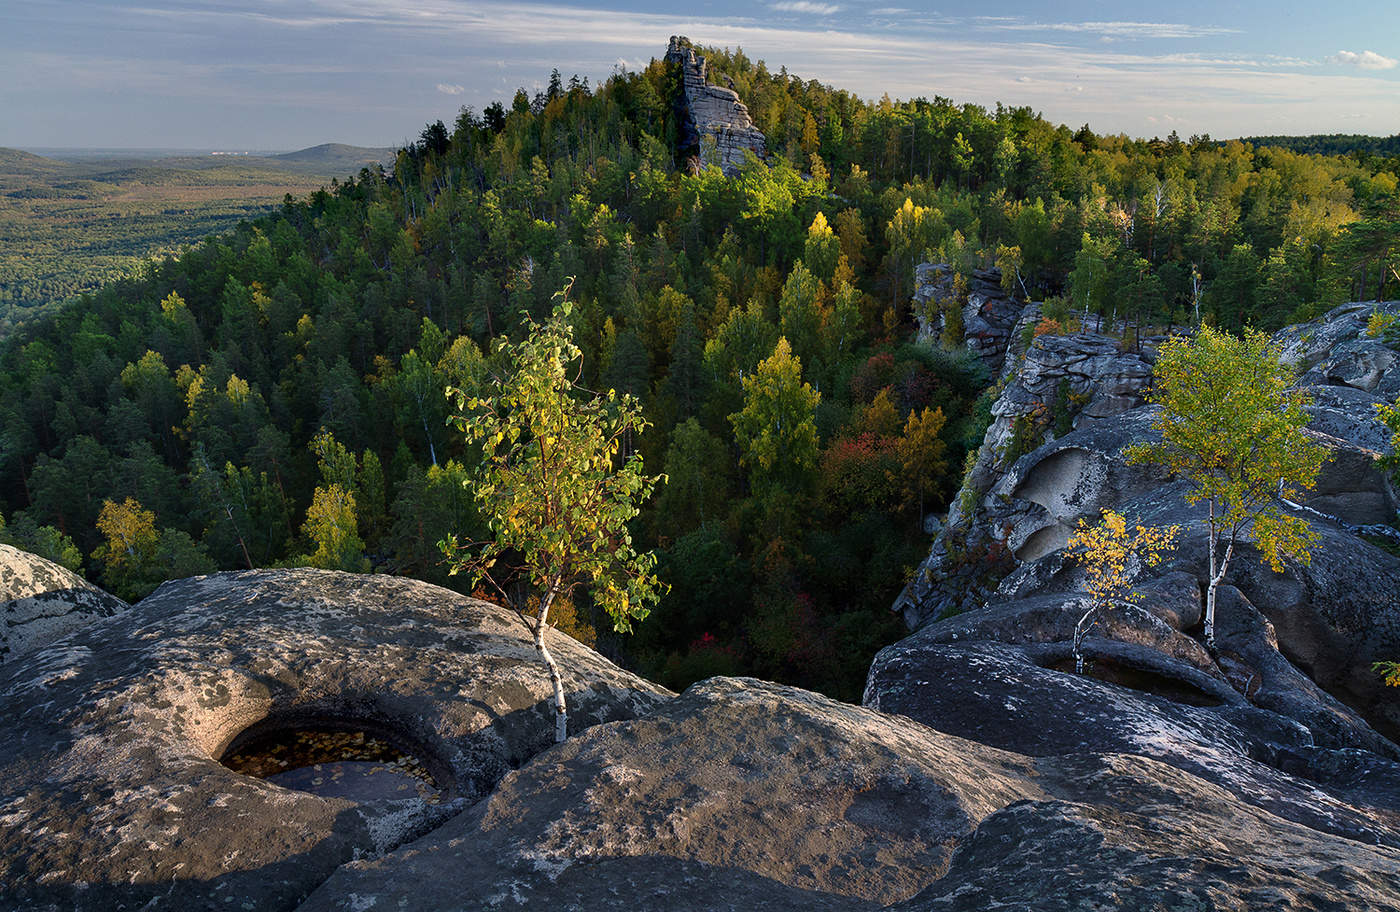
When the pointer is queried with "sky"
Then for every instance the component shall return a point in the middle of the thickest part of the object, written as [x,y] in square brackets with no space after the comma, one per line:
[278,75]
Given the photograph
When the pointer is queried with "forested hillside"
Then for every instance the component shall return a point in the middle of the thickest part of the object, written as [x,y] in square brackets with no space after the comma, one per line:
[69,226]
[206,414]
[1333,144]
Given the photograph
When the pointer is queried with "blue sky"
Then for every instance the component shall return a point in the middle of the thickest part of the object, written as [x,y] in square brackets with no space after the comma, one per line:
[284,74]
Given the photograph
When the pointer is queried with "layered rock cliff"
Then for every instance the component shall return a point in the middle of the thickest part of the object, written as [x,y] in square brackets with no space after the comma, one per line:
[1302,640]
[716,121]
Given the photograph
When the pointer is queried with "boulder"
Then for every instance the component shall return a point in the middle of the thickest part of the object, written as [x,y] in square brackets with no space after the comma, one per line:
[746,795]
[749,779]
[43,601]
[112,794]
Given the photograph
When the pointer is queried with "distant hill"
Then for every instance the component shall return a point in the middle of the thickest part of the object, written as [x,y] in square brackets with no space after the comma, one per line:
[1331,143]
[337,156]
[18,163]
[68,226]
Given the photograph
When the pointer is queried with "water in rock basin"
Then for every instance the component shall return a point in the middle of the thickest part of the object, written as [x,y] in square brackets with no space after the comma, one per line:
[335,764]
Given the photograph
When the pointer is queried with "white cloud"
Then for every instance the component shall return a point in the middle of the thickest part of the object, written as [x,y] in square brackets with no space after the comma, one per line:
[1115,29]
[448,88]
[806,6]
[495,45]
[1366,60]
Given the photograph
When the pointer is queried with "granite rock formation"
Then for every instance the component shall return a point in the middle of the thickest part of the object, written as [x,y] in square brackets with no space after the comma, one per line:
[715,119]
[112,794]
[1296,646]
[981,775]
[1028,487]
[41,601]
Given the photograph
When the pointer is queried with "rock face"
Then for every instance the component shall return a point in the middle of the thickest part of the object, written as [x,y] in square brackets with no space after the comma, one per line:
[989,316]
[1296,646]
[742,794]
[1025,492]
[111,790]
[716,119]
[43,601]
[1057,384]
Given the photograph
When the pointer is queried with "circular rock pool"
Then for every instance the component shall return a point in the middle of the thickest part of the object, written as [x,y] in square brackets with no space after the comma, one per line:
[349,764]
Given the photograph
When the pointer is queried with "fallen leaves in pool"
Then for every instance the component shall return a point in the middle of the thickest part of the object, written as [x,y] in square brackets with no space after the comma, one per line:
[336,764]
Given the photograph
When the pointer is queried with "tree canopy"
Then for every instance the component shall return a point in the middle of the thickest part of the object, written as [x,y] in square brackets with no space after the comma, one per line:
[1232,425]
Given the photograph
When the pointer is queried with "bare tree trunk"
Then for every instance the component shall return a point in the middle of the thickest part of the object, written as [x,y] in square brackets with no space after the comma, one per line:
[1081,630]
[561,712]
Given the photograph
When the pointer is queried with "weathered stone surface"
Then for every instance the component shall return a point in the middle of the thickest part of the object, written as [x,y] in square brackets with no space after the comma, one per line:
[989,315]
[41,602]
[1028,507]
[111,791]
[716,119]
[1126,832]
[999,695]
[740,775]
[1336,350]
[741,794]
[1075,381]
[1331,618]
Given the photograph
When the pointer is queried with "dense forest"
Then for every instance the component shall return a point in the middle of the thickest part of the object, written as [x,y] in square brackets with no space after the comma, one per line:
[275,395]
[68,227]
[1333,144]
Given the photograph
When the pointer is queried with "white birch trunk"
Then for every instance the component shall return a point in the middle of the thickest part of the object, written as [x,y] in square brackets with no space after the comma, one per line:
[561,713]
[1217,575]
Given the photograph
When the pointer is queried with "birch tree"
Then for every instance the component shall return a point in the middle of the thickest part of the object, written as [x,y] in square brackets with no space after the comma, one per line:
[555,490]
[1232,426]
[1110,554]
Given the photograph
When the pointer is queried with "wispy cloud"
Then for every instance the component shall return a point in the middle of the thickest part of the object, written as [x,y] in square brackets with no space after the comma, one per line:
[396,51]
[1366,60]
[806,6]
[1113,29]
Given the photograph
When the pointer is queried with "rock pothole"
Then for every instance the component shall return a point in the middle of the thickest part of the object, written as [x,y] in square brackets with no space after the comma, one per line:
[356,762]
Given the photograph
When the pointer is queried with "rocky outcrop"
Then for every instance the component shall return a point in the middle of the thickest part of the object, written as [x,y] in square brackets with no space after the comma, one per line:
[1336,350]
[41,601]
[747,795]
[980,775]
[112,794]
[990,317]
[715,119]
[1295,647]
[1057,384]
[1030,483]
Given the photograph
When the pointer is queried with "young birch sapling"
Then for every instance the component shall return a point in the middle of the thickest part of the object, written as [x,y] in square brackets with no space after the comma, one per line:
[1111,555]
[556,489]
